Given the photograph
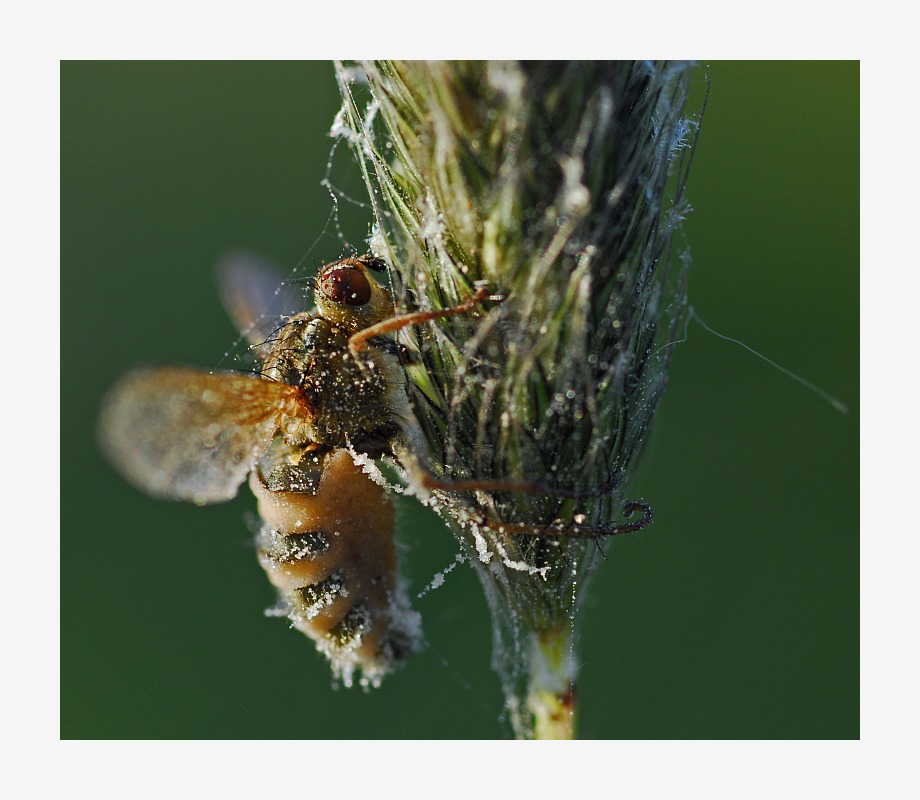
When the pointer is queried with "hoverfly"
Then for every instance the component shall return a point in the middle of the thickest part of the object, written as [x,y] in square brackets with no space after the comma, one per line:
[332,384]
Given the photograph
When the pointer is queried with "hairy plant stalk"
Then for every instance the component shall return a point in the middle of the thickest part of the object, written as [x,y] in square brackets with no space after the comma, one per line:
[551,693]
[559,186]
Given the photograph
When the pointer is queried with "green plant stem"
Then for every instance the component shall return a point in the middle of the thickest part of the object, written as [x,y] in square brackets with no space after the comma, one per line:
[558,185]
[551,696]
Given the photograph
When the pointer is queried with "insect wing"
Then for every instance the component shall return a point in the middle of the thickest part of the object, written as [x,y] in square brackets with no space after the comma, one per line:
[184,434]
[256,297]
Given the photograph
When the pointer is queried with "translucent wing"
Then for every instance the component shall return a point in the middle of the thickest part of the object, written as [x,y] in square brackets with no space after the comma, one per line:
[184,434]
[256,297]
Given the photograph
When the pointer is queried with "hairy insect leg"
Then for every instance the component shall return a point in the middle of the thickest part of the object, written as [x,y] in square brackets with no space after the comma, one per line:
[575,530]
[357,340]
[431,483]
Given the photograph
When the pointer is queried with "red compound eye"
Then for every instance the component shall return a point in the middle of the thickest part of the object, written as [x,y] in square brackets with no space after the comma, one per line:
[346,285]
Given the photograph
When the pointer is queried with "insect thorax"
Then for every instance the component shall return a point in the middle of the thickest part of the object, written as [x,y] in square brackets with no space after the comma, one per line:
[345,399]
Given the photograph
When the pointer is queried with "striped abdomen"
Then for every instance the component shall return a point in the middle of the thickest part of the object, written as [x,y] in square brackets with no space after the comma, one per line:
[332,556]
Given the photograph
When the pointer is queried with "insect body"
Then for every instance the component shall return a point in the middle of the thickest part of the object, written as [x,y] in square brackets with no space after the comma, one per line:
[326,540]
[331,385]
[332,556]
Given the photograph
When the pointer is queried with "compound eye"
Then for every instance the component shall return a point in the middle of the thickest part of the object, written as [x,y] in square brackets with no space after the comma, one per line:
[347,286]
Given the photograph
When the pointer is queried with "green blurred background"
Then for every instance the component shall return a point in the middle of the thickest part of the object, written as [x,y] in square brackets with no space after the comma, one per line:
[735,616]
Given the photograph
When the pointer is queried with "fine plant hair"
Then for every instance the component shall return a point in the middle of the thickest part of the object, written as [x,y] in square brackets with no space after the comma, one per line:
[559,187]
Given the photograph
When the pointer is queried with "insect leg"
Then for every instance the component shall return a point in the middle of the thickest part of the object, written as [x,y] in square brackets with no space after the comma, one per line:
[357,340]
[430,482]
[576,530]
[422,478]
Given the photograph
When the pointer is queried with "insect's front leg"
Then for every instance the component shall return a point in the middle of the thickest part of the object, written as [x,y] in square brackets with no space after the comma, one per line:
[357,341]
